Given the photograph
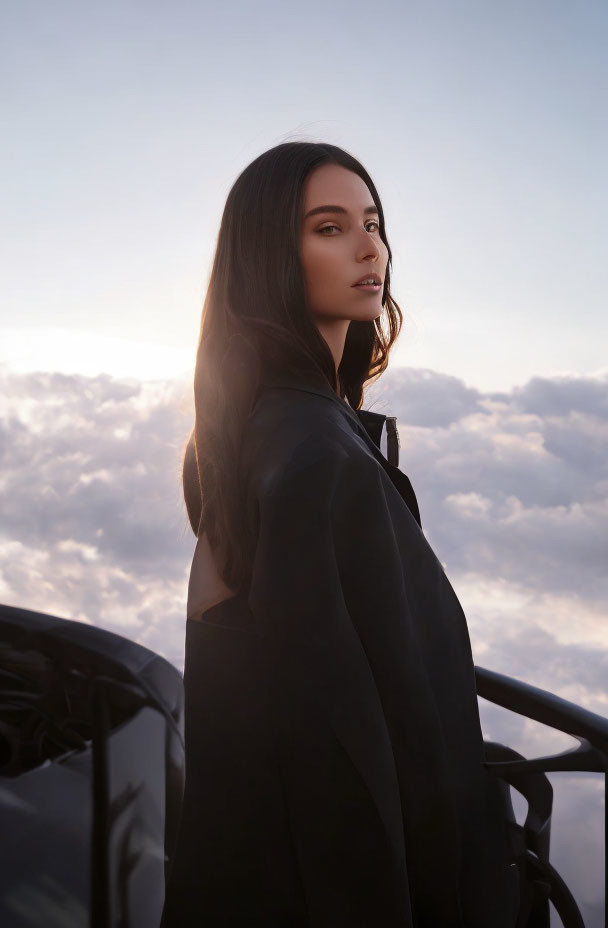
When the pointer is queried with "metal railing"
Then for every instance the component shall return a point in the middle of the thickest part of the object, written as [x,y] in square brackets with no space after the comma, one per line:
[539,881]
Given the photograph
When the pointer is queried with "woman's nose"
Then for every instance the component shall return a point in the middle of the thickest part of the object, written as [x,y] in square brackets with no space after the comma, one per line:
[368,247]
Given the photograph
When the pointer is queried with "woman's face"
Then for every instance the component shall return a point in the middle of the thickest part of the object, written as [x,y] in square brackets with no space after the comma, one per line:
[339,245]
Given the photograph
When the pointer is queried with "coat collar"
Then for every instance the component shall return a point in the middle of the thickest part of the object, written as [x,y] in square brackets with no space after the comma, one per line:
[368,424]
[365,422]
[309,384]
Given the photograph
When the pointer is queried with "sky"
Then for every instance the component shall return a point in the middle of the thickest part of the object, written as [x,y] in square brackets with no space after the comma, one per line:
[483,126]
[481,123]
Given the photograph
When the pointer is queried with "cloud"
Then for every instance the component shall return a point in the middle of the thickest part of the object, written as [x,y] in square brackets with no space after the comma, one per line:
[513,492]
[422,397]
[94,526]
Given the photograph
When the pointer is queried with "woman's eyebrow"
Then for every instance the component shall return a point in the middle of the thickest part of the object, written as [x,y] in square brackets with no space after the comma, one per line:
[336,209]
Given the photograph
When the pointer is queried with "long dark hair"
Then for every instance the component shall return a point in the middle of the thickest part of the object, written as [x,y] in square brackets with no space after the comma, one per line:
[255,318]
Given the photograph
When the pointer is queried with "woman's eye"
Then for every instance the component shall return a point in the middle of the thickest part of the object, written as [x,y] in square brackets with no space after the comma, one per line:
[372,222]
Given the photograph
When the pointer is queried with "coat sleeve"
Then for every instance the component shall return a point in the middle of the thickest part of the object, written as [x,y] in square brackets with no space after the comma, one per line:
[334,748]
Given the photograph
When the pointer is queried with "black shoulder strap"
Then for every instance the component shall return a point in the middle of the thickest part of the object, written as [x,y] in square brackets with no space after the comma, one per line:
[392,441]
[373,423]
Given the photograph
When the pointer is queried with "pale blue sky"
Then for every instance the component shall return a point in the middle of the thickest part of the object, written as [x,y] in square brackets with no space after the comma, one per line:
[482,124]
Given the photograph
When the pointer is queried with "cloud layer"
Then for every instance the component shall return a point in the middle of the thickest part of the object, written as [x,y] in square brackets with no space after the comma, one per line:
[513,491]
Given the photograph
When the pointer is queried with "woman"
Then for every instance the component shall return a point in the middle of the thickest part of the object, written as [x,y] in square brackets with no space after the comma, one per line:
[334,771]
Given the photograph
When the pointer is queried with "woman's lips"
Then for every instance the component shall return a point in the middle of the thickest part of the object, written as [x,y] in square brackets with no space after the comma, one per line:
[372,288]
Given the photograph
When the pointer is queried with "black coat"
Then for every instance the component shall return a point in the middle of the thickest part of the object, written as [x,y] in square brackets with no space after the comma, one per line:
[334,753]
